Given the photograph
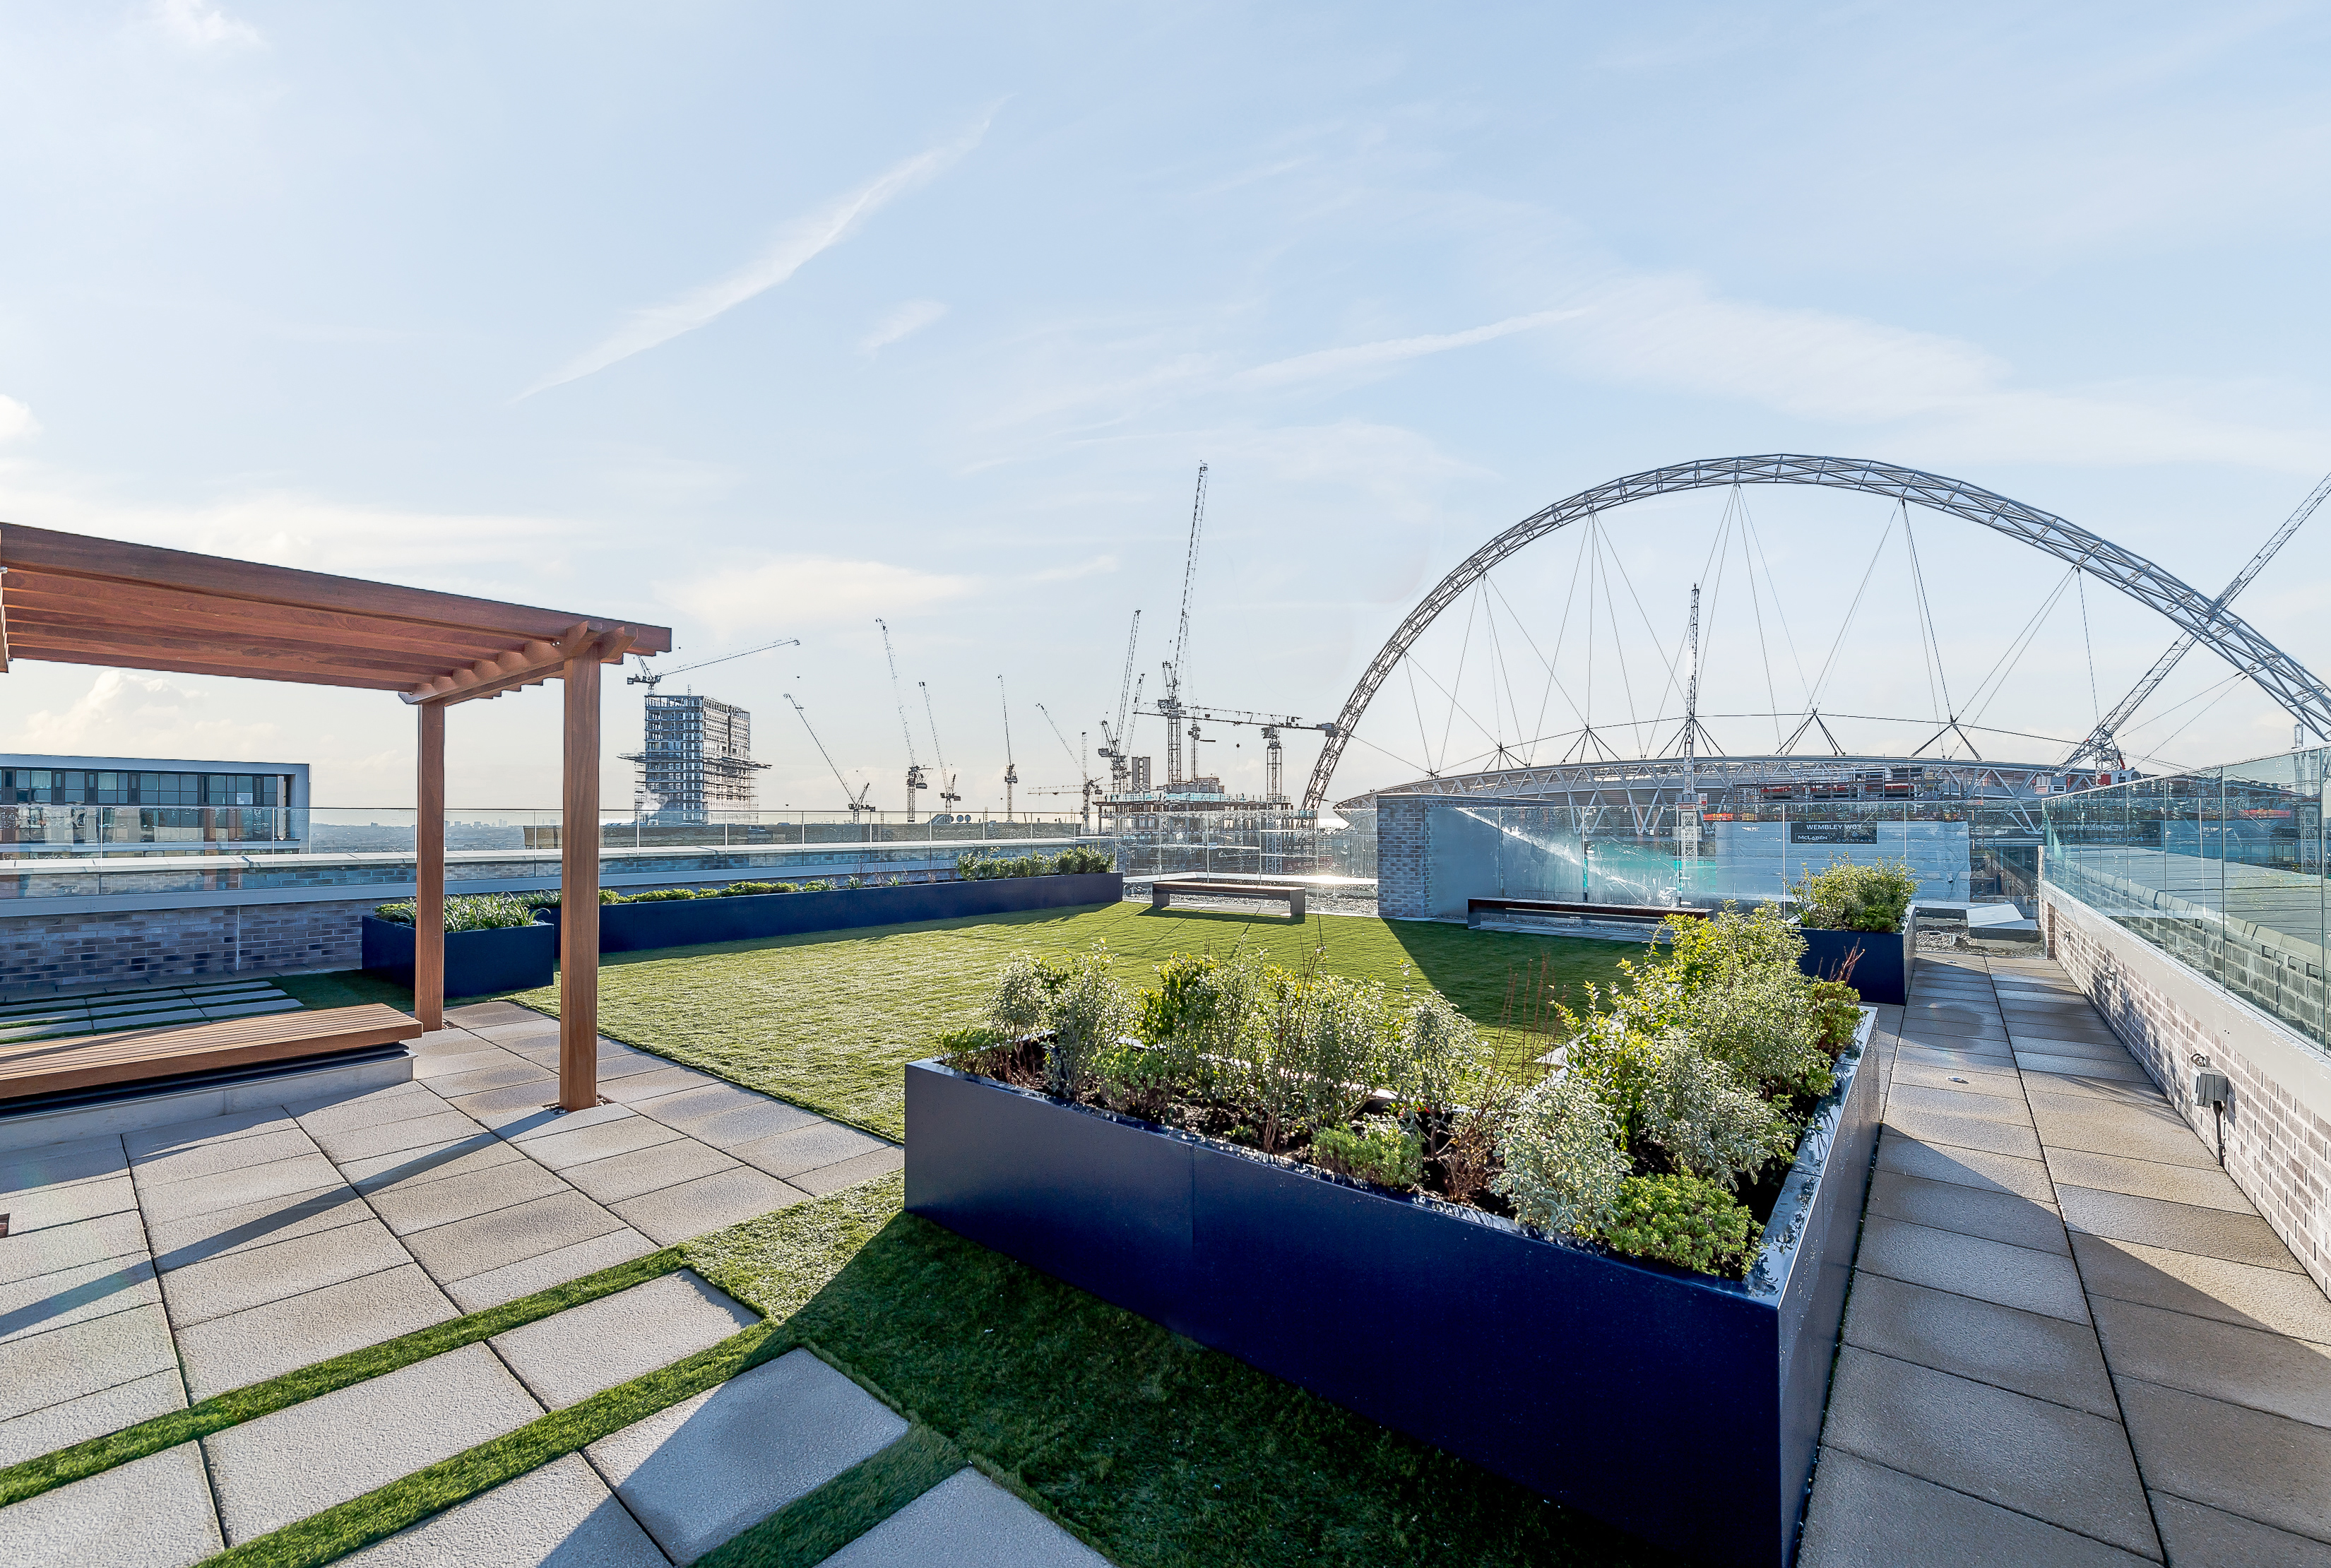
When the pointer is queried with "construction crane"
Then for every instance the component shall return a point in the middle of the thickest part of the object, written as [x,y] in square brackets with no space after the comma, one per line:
[1090,787]
[947,796]
[1011,768]
[651,678]
[914,769]
[1270,724]
[1170,701]
[2103,743]
[1116,745]
[1113,742]
[857,802]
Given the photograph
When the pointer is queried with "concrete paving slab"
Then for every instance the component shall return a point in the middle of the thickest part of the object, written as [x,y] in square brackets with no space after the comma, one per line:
[509,1073]
[63,1247]
[1969,1211]
[263,1342]
[431,1070]
[672,1214]
[151,1513]
[808,1148]
[2052,1074]
[725,1116]
[488,1014]
[76,1295]
[612,1130]
[2181,1227]
[2197,1533]
[627,1175]
[2056,1042]
[704,1469]
[966,1521]
[182,1242]
[615,1062]
[480,1151]
[91,1415]
[2065,1466]
[443,1125]
[1956,1101]
[2249,1367]
[2017,1277]
[2204,1186]
[2045,1357]
[306,1457]
[1952,1058]
[240,1280]
[571,1356]
[150,1143]
[68,1203]
[2263,1467]
[279,1179]
[1863,1516]
[509,1235]
[2212,1287]
[1965,1131]
[541,1272]
[1954,1078]
[639,1088]
[81,1160]
[848,1172]
[82,1358]
[561,1515]
[192,1161]
[2073,1122]
[519,1100]
[413,1206]
[552,1123]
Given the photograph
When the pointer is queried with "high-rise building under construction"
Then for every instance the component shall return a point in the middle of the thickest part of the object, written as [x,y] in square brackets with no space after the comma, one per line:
[698,759]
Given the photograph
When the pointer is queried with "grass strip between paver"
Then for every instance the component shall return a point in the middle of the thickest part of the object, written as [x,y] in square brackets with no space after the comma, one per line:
[815,1527]
[30,1478]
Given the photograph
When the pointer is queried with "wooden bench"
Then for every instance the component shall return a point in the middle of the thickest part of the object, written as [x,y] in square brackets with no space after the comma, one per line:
[95,1061]
[1640,913]
[1162,891]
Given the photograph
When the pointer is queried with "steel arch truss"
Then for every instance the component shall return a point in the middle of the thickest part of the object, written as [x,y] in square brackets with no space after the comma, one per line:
[2200,615]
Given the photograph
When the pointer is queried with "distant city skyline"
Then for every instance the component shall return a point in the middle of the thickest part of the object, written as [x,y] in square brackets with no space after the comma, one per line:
[763,323]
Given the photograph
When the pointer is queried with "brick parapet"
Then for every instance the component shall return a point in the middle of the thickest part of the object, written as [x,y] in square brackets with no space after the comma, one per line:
[1403,890]
[43,954]
[2277,1128]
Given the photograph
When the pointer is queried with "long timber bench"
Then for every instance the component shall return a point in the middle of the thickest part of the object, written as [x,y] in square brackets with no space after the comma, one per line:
[1162,891]
[53,1089]
[1638,914]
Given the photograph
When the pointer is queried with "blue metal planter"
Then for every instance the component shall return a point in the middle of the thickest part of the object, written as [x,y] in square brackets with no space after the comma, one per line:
[1882,973]
[685,922]
[1679,1407]
[514,958]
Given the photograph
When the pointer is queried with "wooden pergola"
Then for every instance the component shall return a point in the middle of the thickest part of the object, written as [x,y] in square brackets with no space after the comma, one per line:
[75,600]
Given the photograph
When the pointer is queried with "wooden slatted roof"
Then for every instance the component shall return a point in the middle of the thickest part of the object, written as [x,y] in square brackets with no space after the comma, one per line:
[76,599]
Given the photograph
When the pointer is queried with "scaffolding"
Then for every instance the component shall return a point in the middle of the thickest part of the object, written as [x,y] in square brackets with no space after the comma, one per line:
[697,760]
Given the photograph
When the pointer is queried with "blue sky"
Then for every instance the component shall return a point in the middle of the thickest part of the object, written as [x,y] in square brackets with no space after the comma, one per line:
[763,322]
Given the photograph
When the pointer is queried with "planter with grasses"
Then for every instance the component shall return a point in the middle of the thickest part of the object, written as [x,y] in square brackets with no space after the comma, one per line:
[1856,925]
[1620,1284]
[492,944]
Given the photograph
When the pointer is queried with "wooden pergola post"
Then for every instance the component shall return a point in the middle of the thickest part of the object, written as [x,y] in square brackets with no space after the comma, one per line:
[578,884]
[429,871]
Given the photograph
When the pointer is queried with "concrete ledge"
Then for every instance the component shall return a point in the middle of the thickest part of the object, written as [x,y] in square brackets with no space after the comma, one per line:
[33,1129]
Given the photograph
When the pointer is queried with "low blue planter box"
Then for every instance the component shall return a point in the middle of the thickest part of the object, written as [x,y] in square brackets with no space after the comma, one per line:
[1682,1407]
[514,958]
[685,922]
[1882,973]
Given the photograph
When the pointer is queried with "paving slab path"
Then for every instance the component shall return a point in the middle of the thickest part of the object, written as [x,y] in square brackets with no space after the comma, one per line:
[2070,1339]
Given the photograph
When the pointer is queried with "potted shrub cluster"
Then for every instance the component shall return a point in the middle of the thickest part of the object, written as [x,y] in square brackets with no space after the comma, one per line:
[491,943]
[1842,909]
[1613,1271]
[747,911]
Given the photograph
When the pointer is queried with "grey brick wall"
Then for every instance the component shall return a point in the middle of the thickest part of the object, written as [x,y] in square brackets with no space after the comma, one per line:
[2278,1145]
[40,953]
[1401,890]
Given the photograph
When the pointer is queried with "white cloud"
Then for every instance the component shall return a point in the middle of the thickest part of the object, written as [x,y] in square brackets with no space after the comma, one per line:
[782,593]
[1097,566]
[904,322]
[124,714]
[793,247]
[16,420]
[192,24]
[1365,356]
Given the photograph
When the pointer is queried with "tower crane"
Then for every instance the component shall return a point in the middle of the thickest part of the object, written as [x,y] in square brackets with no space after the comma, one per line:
[2103,743]
[1089,785]
[857,802]
[650,679]
[914,769]
[1011,768]
[1170,701]
[947,795]
[1113,742]
[1270,724]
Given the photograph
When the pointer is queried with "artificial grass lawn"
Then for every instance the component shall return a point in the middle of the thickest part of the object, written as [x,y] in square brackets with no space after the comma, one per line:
[829,1020]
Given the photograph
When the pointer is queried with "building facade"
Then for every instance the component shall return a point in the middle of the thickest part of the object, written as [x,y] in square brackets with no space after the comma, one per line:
[83,805]
[696,759]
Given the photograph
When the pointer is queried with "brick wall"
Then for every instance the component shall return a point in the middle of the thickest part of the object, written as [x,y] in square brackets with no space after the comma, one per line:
[2277,1129]
[47,953]
[1401,883]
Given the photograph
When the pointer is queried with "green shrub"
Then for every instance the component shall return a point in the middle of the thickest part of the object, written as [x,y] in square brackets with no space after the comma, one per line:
[1684,1220]
[1564,1165]
[1761,1023]
[1090,1015]
[472,912]
[1837,1014]
[1311,1059]
[1380,1152]
[1855,897]
[1022,998]
[1706,1119]
[1434,1054]
[1618,1064]
[981,865]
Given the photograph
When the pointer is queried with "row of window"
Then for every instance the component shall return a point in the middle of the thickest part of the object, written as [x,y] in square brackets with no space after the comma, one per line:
[89,786]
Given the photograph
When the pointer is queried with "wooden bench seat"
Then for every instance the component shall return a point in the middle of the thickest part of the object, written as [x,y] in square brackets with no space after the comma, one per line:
[132,1056]
[1640,913]
[1162,891]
